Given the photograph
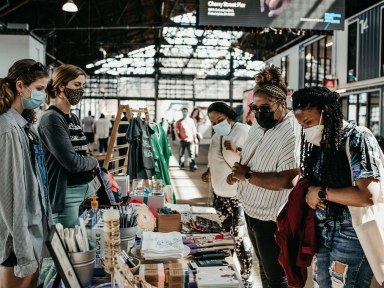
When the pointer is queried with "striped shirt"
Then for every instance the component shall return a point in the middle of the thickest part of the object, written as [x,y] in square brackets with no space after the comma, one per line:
[278,150]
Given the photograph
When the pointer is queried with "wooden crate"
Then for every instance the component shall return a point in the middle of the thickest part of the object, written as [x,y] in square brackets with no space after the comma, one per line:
[168,222]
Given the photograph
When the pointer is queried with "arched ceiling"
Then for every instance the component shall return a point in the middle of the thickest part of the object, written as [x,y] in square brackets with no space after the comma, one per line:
[122,26]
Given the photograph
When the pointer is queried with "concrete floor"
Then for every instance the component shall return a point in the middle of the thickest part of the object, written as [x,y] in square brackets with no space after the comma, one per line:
[191,190]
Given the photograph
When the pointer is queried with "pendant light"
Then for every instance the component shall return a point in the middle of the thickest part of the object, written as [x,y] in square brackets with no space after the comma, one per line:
[70,6]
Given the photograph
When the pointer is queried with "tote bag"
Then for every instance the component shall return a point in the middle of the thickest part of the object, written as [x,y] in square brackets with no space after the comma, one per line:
[368,223]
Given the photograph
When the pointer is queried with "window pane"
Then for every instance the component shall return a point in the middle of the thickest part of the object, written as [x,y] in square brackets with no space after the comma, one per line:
[352,52]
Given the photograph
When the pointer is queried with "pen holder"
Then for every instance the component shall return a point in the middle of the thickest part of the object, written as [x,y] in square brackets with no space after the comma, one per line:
[127,237]
[83,263]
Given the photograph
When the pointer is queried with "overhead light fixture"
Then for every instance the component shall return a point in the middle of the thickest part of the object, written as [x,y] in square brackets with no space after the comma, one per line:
[329,44]
[70,6]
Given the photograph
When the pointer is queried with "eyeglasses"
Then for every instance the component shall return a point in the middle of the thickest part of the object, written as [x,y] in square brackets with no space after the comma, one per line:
[262,108]
[33,68]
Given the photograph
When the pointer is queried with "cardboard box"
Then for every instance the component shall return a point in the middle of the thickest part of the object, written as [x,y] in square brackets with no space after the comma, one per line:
[168,222]
[152,201]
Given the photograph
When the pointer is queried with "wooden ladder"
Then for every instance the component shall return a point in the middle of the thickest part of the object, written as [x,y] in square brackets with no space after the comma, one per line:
[115,134]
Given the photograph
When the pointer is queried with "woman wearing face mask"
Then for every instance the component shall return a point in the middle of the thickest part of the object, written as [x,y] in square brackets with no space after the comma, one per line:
[324,162]
[70,171]
[222,154]
[24,205]
[267,170]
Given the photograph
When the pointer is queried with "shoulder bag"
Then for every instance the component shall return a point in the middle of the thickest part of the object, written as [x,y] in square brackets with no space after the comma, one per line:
[368,223]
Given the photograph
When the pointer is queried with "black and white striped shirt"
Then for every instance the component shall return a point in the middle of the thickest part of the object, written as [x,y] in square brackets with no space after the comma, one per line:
[278,149]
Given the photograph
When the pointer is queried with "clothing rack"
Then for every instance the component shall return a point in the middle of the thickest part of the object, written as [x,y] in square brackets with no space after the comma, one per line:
[110,157]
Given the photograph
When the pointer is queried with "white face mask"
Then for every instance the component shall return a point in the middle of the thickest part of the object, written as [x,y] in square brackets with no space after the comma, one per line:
[223,128]
[314,134]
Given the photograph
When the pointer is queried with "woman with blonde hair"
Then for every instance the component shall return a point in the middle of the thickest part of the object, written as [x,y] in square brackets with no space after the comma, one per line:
[70,170]
[24,205]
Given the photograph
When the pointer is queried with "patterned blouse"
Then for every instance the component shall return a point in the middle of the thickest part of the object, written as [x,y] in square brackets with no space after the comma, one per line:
[365,161]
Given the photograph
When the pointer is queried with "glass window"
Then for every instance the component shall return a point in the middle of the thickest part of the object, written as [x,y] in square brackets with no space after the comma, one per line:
[352,107]
[352,51]
[374,113]
[318,62]
[382,41]
[362,109]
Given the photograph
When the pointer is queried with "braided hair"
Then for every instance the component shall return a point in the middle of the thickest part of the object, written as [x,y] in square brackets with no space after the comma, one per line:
[270,81]
[326,102]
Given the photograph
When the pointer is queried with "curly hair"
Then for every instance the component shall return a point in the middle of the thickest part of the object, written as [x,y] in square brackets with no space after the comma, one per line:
[270,81]
[326,102]
[8,92]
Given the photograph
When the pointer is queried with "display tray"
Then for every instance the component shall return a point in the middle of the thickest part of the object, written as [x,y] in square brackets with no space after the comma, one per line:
[135,253]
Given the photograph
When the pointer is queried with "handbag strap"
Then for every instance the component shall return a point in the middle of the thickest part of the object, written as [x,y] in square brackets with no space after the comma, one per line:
[251,155]
[221,151]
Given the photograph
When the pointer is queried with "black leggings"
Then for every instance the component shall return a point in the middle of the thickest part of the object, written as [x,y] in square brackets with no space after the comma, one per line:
[262,235]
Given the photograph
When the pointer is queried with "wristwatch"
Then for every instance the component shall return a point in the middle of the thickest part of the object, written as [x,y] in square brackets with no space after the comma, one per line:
[322,194]
[248,175]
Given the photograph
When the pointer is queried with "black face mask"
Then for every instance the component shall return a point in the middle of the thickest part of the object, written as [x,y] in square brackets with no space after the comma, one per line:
[266,119]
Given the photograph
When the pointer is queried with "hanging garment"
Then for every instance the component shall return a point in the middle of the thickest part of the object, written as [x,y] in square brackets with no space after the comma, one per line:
[163,141]
[161,167]
[141,164]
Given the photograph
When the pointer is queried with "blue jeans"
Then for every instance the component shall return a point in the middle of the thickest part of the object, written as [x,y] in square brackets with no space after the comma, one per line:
[191,153]
[74,196]
[339,246]
[43,174]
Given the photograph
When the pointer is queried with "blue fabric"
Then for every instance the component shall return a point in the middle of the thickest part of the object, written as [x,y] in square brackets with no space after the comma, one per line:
[339,243]
[43,174]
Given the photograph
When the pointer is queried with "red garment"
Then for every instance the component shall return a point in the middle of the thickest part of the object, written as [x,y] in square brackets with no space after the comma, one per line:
[296,236]
[186,129]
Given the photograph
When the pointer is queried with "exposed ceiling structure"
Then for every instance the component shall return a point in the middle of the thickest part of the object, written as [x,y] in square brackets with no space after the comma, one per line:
[109,28]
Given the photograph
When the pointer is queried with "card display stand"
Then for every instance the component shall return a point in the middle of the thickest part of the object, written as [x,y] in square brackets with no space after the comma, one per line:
[110,157]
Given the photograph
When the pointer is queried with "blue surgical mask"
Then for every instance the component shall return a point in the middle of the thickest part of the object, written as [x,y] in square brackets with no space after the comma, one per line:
[185,115]
[223,128]
[37,98]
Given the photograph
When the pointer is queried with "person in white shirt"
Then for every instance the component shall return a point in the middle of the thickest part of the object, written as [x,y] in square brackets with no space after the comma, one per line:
[268,170]
[102,132]
[223,152]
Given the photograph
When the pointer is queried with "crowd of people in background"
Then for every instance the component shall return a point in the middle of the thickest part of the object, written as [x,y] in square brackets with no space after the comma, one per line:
[252,168]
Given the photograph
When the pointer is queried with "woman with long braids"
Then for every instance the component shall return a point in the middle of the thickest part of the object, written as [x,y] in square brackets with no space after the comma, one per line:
[340,261]
[24,205]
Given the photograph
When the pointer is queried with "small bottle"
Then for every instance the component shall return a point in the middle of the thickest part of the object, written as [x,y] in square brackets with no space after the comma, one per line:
[94,210]
[94,204]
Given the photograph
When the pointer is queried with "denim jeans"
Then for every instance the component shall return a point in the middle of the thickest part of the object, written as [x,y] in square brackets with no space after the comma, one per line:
[74,196]
[103,145]
[338,245]
[191,153]
[262,235]
[43,174]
